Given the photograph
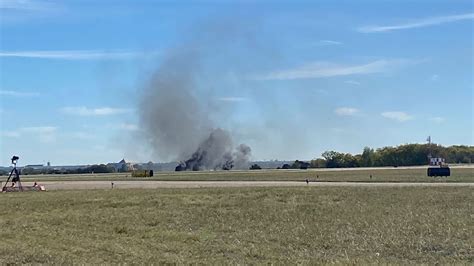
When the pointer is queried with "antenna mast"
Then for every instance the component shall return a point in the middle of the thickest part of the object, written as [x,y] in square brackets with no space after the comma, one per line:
[429,149]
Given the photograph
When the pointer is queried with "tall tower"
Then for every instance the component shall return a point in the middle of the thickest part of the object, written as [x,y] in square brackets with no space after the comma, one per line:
[429,149]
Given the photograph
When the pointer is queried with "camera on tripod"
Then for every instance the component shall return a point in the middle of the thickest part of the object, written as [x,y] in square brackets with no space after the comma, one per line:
[15,159]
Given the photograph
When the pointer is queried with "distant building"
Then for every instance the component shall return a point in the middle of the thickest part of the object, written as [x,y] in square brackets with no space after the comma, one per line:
[48,164]
[34,166]
[121,166]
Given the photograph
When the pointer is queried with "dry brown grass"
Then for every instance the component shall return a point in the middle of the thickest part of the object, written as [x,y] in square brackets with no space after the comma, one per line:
[239,225]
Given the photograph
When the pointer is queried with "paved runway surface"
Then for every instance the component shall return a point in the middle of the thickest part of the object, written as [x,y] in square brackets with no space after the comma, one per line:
[71,185]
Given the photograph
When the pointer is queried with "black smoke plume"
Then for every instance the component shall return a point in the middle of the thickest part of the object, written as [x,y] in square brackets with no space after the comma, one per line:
[216,153]
[177,122]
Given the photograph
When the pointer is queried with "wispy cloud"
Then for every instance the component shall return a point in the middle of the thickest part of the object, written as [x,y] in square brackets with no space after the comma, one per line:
[13,11]
[328,42]
[352,82]
[323,92]
[45,134]
[73,54]
[418,23]
[346,111]
[40,129]
[337,130]
[232,99]
[82,135]
[434,77]
[28,5]
[101,111]
[438,119]
[123,126]
[18,93]
[327,69]
[128,127]
[10,134]
[397,116]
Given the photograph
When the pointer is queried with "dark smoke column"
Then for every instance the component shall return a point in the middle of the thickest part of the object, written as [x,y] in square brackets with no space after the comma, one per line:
[175,123]
[216,153]
[170,116]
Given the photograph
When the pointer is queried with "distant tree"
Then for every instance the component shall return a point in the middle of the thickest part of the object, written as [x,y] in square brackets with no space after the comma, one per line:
[349,160]
[403,155]
[299,165]
[99,168]
[460,154]
[286,166]
[28,171]
[149,165]
[255,167]
[333,159]
[318,163]
[367,157]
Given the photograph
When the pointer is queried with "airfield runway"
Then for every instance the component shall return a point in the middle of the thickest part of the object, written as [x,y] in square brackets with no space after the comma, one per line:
[73,185]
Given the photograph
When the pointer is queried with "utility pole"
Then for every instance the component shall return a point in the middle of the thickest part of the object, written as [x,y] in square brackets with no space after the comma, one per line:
[429,149]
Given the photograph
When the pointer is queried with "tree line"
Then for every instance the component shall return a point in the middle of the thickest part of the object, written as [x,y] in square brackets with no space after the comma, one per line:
[403,155]
[96,168]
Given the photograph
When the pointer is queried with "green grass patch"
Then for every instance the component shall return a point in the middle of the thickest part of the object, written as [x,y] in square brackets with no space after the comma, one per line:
[355,175]
[240,225]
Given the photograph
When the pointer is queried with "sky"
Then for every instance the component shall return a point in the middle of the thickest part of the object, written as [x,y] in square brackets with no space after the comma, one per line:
[299,77]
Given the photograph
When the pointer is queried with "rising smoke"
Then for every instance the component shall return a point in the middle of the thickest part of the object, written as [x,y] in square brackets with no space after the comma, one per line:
[215,152]
[176,122]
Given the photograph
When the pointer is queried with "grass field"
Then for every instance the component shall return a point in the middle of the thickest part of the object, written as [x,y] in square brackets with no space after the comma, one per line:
[356,175]
[239,225]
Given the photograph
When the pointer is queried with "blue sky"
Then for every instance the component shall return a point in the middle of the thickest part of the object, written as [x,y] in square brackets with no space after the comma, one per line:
[316,76]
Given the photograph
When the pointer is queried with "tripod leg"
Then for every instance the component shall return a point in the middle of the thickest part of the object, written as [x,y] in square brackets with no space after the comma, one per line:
[9,176]
[17,175]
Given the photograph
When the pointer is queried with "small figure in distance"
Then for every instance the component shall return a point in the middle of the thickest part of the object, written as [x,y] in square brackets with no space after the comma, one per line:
[112,183]
[307,181]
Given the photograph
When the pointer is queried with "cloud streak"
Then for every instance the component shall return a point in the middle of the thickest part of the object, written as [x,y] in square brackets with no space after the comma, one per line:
[72,54]
[82,135]
[102,111]
[232,99]
[18,93]
[10,134]
[352,82]
[438,119]
[327,69]
[123,126]
[328,42]
[346,111]
[46,134]
[42,129]
[397,116]
[418,24]
[27,5]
